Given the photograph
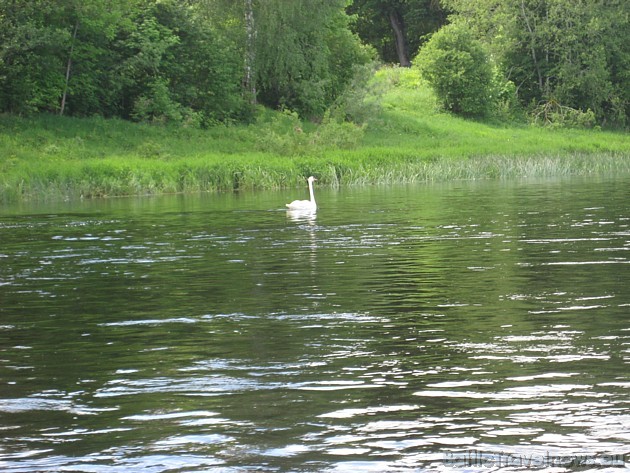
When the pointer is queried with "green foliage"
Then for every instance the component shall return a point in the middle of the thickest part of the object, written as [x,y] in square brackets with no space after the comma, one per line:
[573,52]
[373,24]
[312,58]
[184,62]
[149,60]
[337,134]
[172,61]
[286,135]
[458,69]
[31,76]
[156,105]
[361,100]
[203,69]
[282,135]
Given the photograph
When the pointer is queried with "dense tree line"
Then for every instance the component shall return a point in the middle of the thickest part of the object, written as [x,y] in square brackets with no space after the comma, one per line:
[558,53]
[194,61]
[153,60]
[205,61]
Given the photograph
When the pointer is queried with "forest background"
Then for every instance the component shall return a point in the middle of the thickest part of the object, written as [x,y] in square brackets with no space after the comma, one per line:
[320,64]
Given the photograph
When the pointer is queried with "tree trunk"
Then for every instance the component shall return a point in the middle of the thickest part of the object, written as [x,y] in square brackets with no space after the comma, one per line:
[68,69]
[532,47]
[399,35]
[249,80]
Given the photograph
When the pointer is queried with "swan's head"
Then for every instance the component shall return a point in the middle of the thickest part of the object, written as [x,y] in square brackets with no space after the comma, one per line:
[311,179]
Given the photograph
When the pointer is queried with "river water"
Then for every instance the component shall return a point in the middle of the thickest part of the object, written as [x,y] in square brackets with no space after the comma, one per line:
[470,326]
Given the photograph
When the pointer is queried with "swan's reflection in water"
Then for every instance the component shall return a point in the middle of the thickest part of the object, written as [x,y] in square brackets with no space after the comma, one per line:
[306,219]
[302,216]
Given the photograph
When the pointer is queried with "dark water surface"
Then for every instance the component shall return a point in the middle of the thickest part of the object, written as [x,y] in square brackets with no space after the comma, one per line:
[461,327]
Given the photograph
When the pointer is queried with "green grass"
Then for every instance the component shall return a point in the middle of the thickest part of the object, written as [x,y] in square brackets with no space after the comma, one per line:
[408,140]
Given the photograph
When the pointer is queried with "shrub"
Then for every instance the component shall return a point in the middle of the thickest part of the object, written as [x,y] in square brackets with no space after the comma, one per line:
[282,134]
[458,69]
[361,99]
[334,134]
[285,135]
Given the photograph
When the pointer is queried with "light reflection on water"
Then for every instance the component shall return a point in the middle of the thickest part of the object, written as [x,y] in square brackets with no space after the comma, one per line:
[462,327]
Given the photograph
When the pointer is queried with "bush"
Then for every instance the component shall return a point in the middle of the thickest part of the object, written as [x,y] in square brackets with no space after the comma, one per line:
[158,106]
[284,135]
[505,103]
[335,134]
[361,100]
[458,69]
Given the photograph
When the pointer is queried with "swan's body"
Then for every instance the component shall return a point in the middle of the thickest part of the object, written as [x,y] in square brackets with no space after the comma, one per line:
[309,205]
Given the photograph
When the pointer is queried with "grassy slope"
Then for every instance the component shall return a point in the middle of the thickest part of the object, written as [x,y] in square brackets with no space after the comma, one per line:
[411,117]
[50,157]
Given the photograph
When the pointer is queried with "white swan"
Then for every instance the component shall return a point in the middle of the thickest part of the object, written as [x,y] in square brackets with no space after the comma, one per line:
[309,205]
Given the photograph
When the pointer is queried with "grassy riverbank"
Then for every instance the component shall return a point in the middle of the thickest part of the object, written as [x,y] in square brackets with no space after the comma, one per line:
[405,140]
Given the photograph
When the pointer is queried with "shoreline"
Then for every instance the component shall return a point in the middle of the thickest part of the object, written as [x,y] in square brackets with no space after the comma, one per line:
[47,158]
[100,179]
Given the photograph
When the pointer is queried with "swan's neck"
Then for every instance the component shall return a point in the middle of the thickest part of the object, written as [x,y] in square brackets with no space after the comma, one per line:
[310,191]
